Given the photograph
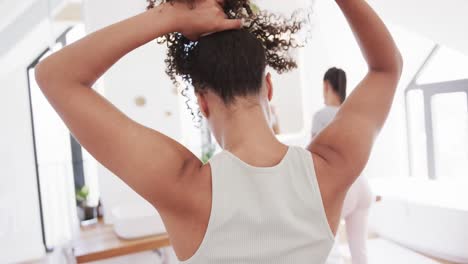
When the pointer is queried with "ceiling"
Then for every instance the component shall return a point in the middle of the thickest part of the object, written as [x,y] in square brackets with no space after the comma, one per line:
[18,17]
[444,22]
[9,10]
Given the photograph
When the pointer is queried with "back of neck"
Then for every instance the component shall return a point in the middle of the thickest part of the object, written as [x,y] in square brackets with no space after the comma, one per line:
[247,128]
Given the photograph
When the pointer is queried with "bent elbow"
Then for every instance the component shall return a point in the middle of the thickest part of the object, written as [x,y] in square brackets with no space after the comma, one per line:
[43,75]
[393,65]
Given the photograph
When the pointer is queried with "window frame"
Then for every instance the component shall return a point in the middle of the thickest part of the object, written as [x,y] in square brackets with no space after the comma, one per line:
[78,171]
[429,90]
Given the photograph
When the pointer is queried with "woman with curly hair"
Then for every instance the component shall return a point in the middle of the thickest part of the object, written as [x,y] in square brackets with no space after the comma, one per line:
[258,201]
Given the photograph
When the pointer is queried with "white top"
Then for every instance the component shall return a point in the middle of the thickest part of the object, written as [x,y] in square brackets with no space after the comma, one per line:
[265,215]
[323,118]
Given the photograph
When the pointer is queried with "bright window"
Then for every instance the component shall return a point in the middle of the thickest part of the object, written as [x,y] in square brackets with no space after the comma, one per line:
[450,125]
[437,113]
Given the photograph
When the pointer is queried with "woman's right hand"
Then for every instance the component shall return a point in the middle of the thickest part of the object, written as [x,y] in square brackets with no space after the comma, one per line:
[201,18]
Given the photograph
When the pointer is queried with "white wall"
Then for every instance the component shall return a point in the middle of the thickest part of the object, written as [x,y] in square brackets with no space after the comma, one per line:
[20,228]
[445,22]
[287,100]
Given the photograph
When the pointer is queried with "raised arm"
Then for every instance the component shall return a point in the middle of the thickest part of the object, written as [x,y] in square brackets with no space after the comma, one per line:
[151,163]
[343,148]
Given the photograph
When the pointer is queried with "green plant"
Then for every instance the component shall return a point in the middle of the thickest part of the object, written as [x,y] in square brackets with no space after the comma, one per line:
[82,194]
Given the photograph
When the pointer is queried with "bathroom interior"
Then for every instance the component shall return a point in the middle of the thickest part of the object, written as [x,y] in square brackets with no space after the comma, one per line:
[59,205]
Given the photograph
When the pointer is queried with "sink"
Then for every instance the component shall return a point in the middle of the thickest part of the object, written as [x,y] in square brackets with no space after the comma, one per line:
[134,221]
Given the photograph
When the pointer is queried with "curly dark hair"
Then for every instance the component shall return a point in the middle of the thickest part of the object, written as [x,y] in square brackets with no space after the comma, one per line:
[232,63]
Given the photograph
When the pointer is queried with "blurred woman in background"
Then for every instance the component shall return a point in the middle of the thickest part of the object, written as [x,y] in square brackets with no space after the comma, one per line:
[359,198]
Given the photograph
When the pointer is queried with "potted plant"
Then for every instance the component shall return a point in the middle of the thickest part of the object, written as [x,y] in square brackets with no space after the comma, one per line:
[87,213]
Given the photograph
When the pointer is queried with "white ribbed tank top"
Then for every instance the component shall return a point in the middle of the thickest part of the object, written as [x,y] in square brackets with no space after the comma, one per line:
[265,215]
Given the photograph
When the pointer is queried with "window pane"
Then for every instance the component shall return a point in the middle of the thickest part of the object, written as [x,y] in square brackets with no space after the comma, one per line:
[417,134]
[450,119]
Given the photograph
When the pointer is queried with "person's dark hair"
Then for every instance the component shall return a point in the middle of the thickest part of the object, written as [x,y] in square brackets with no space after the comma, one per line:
[337,79]
[232,63]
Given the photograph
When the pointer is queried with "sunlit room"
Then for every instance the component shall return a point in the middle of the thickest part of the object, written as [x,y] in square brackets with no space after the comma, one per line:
[234,131]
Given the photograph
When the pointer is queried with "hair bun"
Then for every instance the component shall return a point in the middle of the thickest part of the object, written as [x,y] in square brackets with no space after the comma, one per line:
[277,34]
